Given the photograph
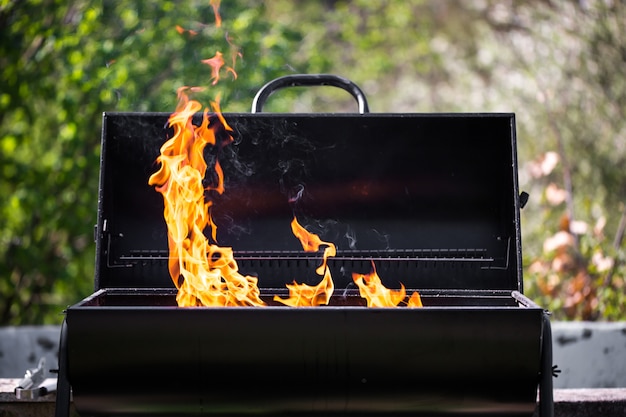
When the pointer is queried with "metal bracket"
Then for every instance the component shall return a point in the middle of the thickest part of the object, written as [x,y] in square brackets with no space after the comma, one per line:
[34,384]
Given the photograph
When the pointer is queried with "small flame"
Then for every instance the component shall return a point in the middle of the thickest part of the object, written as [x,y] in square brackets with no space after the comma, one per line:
[234,55]
[216,10]
[415,300]
[377,295]
[204,273]
[216,63]
[182,30]
[303,295]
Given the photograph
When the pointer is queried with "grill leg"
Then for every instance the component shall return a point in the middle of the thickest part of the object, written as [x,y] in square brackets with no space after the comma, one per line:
[546,400]
[62,406]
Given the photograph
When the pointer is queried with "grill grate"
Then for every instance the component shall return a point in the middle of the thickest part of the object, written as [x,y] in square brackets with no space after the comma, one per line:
[435,255]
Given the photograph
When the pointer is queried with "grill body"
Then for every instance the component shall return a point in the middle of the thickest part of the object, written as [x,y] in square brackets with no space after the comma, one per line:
[460,359]
[431,200]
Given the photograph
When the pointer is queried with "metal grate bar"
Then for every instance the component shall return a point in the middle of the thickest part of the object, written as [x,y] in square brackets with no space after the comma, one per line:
[437,255]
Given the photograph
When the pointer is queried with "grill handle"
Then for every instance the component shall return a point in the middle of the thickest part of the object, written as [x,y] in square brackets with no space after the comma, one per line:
[308,80]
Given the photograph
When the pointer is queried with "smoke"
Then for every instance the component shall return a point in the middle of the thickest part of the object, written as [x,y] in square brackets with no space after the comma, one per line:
[235,229]
[296,194]
[351,237]
[382,237]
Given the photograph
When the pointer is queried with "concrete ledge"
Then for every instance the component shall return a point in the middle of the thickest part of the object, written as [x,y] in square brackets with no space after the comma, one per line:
[22,347]
[603,402]
[589,354]
[584,402]
[10,406]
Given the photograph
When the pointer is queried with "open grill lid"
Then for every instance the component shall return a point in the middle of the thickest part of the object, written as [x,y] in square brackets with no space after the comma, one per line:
[431,199]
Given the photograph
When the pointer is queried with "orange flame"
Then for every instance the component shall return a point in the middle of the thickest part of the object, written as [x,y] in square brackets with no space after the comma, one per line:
[204,273]
[377,295]
[216,10]
[234,55]
[216,63]
[182,30]
[415,300]
[303,295]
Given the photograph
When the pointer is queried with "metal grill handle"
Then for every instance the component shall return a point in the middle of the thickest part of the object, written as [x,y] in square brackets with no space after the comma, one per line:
[307,80]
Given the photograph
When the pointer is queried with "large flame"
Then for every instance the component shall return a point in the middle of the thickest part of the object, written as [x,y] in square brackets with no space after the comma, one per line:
[303,295]
[204,273]
[377,295]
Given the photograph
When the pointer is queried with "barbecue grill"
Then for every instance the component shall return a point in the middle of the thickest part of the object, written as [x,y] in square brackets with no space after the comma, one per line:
[432,200]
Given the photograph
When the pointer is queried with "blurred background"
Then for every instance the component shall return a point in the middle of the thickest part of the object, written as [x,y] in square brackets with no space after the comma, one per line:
[558,65]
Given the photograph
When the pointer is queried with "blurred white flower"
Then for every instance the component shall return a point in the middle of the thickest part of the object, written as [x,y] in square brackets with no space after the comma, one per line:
[602,263]
[578,227]
[555,195]
[543,165]
[560,239]
[599,226]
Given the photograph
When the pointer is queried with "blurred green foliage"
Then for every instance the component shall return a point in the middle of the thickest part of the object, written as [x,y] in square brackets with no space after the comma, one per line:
[555,64]
[63,64]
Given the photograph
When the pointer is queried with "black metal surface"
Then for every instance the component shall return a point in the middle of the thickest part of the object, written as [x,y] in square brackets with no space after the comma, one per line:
[433,199]
[319,361]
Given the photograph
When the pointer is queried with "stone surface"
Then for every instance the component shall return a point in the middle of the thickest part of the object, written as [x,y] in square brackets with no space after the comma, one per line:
[589,354]
[10,406]
[599,402]
[607,402]
[22,347]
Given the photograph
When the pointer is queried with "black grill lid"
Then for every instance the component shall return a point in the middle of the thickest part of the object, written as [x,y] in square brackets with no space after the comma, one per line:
[432,199]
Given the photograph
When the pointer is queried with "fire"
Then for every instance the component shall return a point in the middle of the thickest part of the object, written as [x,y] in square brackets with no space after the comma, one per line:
[182,30]
[415,300]
[377,295]
[204,273]
[216,10]
[303,295]
[216,63]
